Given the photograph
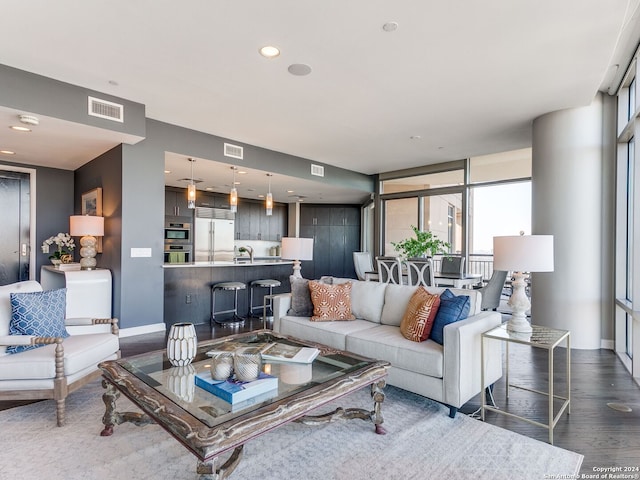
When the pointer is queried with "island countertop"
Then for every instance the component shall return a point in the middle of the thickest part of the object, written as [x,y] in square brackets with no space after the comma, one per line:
[260,262]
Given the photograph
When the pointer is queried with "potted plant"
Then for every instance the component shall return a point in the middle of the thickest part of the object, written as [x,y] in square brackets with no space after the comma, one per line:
[65,246]
[424,244]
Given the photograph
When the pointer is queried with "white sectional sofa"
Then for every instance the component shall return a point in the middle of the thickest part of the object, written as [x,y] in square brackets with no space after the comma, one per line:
[448,373]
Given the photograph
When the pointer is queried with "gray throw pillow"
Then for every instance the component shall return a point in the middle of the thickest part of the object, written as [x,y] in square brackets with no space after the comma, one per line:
[301,305]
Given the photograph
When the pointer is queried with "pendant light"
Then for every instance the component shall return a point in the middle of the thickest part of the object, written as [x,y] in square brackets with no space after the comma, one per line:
[233,195]
[269,200]
[191,189]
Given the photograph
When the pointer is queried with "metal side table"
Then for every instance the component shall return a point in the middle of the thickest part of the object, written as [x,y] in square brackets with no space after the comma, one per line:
[541,337]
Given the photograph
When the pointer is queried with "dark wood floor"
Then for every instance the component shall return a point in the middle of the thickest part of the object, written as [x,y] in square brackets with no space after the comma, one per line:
[606,437]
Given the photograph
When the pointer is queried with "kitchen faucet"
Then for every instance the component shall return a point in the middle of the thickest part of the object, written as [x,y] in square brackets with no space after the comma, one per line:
[249,249]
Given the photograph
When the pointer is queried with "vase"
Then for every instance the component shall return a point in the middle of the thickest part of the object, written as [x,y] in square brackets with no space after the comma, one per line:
[181,344]
[181,381]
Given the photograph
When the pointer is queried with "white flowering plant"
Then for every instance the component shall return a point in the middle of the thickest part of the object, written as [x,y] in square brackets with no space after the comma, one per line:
[64,245]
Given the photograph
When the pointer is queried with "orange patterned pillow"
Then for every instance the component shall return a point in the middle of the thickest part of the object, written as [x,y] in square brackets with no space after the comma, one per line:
[418,318]
[330,302]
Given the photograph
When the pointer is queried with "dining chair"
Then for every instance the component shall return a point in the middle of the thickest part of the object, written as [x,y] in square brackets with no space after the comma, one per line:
[452,264]
[492,291]
[420,272]
[364,266]
[389,270]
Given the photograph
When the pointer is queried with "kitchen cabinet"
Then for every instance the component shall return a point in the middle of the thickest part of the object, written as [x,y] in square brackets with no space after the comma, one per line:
[212,200]
[252,222]
[336,234]
[175,202]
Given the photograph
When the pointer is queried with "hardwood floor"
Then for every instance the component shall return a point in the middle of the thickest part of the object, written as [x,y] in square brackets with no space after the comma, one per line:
[606,437]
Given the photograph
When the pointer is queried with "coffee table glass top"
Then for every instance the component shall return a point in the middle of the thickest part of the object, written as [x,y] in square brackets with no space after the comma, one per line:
[178,383]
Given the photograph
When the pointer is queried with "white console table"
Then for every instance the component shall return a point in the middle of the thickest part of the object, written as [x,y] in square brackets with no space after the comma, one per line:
[88,291]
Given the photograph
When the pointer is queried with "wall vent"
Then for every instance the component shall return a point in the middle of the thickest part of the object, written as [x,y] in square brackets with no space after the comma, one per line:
[233,151]
[317,170]
[104,109]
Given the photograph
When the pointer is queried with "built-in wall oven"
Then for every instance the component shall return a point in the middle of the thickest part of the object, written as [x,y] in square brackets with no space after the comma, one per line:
[174,253]
[177,233]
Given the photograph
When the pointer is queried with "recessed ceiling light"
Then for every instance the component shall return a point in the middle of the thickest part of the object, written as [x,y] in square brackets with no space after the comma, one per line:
[269,51]
[167,171]
[236,183]
[299,69]
[7,152]
[209,188]
[261,196]
[390,26]
[241,172]
[290,191]
[19,128]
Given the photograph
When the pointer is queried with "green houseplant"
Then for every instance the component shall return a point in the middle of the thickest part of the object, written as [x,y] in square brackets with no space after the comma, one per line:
[425,243]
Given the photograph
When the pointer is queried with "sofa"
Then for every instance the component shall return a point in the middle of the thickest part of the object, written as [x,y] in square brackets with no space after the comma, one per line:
[62,356]
[449,373]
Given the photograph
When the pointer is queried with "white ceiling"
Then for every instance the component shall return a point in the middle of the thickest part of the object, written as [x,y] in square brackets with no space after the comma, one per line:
[466,77]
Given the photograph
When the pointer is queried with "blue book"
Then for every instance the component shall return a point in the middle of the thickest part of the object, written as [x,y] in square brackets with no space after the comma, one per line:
[233,392]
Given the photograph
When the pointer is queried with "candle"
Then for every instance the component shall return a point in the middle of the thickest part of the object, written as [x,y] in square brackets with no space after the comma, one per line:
[221,365]
[247,366]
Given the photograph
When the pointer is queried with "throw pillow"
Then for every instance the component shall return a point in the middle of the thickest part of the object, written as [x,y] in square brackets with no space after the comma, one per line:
[418,319]
[452,309]
[37,313]
[331,302]
[301,305]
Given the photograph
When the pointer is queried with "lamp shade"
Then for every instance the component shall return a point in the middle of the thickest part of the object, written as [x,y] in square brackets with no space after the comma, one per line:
[523,253]
[297,248]
[81,225]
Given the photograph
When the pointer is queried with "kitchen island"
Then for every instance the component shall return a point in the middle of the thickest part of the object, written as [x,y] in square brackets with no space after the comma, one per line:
[187,286]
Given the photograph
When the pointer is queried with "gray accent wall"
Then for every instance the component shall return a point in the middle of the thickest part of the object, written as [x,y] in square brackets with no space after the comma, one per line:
[105,172]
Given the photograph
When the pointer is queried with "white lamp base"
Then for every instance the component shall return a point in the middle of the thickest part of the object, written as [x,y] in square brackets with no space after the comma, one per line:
[519,303]
[296,269]
[88,252]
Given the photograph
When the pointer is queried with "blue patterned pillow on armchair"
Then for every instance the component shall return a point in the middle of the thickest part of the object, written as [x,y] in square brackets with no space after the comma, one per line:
[37,313]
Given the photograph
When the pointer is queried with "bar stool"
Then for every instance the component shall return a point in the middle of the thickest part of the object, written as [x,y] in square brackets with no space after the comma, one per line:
[227,286]
[264,283]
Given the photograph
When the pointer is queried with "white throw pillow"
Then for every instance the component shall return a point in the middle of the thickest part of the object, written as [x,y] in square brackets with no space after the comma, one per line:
[396,299]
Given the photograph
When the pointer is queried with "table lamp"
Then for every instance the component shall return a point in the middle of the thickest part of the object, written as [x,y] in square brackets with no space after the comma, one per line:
[87,227]
[296,249]
[520,254]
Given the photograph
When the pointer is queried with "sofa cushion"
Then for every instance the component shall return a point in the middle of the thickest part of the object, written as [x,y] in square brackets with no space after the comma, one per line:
[37,313]
[452,309]
[330,302]
[332,334]
[5,301]
[418,318]
[80,352]
[396,300]
[385,342]
[300,297]
[367,300]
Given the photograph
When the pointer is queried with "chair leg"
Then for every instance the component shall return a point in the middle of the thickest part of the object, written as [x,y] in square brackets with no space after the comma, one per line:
[60,412]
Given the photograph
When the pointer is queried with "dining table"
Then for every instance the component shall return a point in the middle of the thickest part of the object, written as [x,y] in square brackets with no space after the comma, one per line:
[457,280]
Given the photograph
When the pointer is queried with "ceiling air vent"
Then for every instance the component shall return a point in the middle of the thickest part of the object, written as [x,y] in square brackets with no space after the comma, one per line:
[317,170]
[233,151]
[104,109]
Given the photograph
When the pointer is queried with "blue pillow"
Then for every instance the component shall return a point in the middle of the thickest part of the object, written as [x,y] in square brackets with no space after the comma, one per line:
[452,309]
[37,313]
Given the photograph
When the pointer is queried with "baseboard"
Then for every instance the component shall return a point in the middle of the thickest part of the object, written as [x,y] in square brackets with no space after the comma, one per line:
[607,344]
[130,332]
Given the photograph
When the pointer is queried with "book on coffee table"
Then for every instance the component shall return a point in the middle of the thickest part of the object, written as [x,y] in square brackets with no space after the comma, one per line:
[232,391]
[281,352]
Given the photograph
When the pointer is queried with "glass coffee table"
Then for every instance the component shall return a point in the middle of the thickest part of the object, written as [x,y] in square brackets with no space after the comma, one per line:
[210,427]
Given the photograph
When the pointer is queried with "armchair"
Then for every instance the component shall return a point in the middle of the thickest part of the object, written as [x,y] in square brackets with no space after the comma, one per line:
[61,365]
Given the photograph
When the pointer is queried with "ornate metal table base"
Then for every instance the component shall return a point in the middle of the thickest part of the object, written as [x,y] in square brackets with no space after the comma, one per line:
[207,470]
[341,413]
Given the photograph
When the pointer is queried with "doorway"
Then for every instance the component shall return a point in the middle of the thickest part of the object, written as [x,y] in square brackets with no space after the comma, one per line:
[15,254]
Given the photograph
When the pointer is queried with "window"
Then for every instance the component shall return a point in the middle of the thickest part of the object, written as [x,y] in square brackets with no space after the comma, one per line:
[500,166]
[424,182]
[400,215]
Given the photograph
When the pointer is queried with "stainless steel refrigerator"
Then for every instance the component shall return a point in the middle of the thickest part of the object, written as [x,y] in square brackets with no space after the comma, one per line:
[214,235]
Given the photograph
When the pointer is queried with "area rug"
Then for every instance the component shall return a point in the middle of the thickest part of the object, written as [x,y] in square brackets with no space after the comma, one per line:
[421,442]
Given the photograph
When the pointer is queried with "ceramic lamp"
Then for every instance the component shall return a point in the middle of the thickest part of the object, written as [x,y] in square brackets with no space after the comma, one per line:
[87,227]
[296,249]
[520,254]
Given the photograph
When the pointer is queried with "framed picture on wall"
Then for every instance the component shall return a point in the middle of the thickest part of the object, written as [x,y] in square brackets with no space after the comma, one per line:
[92,205]
[92,202]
